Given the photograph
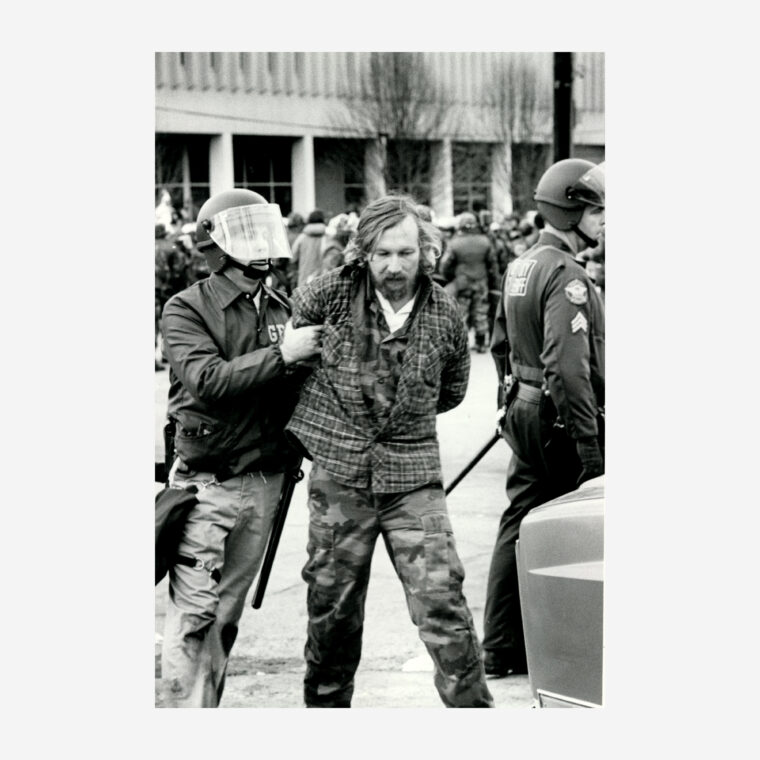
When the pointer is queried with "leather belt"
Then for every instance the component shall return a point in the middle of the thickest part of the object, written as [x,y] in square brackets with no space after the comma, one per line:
[529,393]
[198,564]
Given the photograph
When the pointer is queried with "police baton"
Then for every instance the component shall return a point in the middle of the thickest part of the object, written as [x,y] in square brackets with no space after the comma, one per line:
[450,487]
[286,494]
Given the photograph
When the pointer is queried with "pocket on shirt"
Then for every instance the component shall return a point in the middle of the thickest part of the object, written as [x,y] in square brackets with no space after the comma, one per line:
[428,378]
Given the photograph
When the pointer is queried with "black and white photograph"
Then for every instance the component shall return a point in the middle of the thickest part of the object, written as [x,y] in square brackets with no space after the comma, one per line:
[414,445]
[379,314]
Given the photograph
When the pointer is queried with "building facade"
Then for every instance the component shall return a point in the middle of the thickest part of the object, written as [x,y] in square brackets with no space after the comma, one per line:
[333,130]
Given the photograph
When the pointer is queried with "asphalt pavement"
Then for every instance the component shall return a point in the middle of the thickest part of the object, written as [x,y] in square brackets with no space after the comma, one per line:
[266,666]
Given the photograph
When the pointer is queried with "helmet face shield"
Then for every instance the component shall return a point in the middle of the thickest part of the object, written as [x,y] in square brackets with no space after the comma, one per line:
[589,189]
[251,233]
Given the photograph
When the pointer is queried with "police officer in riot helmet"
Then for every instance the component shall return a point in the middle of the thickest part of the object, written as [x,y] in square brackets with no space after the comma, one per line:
[548,346]
[236,368]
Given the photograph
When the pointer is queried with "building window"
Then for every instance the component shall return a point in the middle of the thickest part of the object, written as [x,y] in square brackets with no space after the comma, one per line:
[408,169]
[529,162]
[471,176]
[182,168]
[263,164]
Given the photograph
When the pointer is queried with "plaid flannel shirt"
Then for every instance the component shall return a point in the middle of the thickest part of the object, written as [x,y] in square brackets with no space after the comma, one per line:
[332,419]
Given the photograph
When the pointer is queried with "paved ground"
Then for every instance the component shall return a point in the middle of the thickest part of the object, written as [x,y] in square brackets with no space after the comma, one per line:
[266,667]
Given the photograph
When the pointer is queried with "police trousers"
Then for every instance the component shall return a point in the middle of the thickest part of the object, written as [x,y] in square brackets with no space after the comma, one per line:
[227,530]
[344,523]
[544,465]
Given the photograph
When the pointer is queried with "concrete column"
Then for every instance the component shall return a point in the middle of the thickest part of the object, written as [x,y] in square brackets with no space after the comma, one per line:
[178,78]
[192,70]
[248,72]
[288,72]
[374,179]
[302,168]
[261,72]
[442,190]
[315,75]
[501,172]
[162,77]
[221,167]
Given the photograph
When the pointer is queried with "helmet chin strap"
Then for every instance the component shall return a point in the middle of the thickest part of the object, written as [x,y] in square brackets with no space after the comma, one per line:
[589,241]
[249,270]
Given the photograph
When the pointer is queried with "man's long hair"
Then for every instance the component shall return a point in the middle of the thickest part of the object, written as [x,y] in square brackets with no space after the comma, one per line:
[387,212]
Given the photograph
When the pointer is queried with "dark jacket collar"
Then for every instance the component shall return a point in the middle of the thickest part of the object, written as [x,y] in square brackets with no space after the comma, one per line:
[225,291]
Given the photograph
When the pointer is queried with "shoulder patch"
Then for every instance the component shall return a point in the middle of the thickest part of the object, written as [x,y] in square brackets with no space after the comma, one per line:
[576,292]
[518,276]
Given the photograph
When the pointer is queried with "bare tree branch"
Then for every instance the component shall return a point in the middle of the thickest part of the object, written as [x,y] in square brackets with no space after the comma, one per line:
[514,104]
[402,106]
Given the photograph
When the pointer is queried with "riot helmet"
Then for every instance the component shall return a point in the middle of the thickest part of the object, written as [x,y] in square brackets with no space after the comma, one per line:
[589,189]
[239,228]
[564,191]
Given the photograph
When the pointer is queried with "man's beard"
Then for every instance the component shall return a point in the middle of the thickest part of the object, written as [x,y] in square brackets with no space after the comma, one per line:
[397,288]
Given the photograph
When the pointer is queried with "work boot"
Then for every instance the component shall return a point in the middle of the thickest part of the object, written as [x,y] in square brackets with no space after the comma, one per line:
[480,343]
[500,665]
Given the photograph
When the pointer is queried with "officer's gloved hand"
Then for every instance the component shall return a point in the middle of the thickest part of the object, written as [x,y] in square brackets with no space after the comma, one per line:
[591,458]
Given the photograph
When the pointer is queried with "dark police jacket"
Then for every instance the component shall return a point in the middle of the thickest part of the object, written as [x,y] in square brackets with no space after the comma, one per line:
[230,391]
[549,332]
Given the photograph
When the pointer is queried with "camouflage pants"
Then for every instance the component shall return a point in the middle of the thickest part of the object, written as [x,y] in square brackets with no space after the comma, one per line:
[344,523]
[473,306]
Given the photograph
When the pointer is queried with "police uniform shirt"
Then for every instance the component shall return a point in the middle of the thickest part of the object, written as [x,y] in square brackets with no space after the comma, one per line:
[555,331]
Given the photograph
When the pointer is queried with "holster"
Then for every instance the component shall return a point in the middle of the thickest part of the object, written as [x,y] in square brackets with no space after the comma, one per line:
[170,430]
[509,390]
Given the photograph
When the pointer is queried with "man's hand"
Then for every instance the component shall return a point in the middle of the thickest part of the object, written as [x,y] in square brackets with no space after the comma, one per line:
[591,458]
[500,419]
[300,343]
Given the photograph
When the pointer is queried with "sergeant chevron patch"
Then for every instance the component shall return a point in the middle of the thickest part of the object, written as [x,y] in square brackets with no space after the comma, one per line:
[579,323]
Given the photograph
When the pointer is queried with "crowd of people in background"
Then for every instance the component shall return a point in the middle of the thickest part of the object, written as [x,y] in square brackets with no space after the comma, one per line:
[477,247]
[350,372]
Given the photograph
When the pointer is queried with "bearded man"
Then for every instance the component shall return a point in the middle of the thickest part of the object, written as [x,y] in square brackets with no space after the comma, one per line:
[394,354]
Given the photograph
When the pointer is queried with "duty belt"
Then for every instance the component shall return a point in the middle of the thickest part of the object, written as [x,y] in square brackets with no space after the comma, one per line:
[529,393]
[531,374]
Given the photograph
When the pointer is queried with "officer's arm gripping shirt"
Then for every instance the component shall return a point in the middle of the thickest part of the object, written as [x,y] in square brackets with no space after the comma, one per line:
[230,390]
